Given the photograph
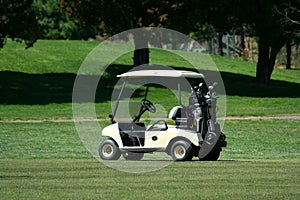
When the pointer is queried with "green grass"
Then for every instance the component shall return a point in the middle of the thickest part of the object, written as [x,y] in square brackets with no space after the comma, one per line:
[263,139]
[262,106]
[35,112]
[55,56]
[47,161]
[40,140]
[88,179]
[38,82]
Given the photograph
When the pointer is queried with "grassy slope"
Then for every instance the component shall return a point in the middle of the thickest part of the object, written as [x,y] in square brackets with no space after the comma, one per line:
[43,89]
[53,56]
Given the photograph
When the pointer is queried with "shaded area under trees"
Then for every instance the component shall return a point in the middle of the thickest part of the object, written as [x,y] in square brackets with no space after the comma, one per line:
[273,23]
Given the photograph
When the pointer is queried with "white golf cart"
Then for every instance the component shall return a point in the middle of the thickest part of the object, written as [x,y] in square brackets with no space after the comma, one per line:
[194,132]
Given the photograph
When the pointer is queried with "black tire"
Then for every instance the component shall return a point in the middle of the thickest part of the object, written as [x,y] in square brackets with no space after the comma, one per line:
[133,156]
[108,150]
[213,155]
[181,151]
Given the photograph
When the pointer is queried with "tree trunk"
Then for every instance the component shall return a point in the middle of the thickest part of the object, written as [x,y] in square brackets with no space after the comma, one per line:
[141,57]
[262,75]
[141,51]
[266,59]
[220,42]
[242,45]
[288,55]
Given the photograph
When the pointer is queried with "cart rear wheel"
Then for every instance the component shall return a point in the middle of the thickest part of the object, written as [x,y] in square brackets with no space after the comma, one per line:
[133,156]
[181,151]
[108,150]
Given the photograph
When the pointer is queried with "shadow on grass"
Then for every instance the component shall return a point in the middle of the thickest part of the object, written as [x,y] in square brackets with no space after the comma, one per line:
[30,89]
[243,85]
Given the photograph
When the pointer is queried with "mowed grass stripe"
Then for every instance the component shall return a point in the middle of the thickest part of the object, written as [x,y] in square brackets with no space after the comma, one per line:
[259,139]
[89,179]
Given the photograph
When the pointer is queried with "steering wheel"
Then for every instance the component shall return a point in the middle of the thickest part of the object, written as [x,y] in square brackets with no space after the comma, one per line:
[148,105]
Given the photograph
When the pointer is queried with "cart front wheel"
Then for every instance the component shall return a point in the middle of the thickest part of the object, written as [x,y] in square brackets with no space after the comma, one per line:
[108,150]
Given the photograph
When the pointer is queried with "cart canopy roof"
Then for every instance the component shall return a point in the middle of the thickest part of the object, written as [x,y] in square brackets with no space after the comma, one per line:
[161,73]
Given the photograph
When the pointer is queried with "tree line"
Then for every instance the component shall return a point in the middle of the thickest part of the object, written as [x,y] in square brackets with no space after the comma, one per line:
[273,23]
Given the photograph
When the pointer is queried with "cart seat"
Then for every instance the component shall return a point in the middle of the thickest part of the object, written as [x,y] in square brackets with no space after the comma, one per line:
[179,115]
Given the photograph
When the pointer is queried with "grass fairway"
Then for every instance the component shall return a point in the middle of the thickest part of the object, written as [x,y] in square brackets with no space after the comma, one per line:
[89,179]
[47,161]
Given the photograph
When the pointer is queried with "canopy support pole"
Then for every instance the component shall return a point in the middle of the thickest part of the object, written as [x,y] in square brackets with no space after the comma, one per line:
[117,102]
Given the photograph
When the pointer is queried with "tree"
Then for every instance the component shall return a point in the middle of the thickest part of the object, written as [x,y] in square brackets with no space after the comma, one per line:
[114,16]
[262,22]
[18,21]
[257,17]
[272,35]
[53,21]
[289,16]
[288,54]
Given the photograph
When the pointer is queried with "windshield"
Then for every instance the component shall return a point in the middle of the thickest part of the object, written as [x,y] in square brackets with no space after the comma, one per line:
[164,93]
[127,110]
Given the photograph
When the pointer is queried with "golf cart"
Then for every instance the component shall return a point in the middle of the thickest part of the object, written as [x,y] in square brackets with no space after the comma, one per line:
[194,133]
